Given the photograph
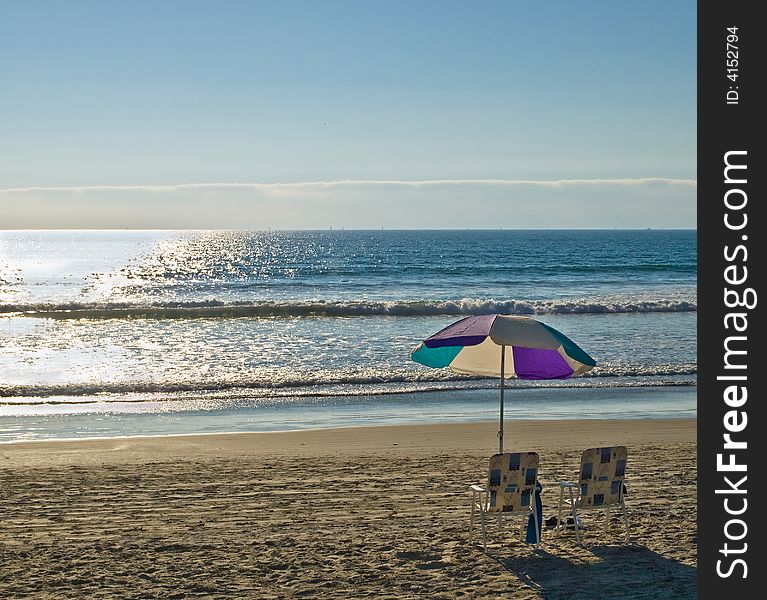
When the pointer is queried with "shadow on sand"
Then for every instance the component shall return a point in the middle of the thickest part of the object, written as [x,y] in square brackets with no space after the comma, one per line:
[630,571]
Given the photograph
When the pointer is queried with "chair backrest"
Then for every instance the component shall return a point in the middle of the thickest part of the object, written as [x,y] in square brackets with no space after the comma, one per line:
[602,473]
[511,481]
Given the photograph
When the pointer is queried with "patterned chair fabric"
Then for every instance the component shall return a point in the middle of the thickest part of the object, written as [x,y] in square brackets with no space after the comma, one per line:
[602,473]
[511,481]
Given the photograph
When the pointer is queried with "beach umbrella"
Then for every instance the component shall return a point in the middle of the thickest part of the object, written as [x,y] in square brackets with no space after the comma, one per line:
[503,346]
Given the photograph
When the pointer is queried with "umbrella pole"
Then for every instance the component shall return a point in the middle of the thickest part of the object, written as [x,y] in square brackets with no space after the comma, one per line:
[500,420]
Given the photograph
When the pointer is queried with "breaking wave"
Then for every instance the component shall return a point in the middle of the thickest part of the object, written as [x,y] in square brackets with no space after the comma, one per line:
[351,384]
[216,309]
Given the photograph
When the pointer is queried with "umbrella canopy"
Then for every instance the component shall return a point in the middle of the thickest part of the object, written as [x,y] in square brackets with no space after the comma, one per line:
[504,346]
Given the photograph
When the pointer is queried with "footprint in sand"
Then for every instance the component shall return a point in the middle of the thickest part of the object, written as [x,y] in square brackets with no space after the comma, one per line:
[435,564]
[425,560]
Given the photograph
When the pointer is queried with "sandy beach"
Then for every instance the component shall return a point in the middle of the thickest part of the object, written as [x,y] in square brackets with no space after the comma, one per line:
[378,512]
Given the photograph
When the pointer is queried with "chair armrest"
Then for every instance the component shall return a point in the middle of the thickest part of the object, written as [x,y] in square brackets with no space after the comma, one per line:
[477,488]
[568,484]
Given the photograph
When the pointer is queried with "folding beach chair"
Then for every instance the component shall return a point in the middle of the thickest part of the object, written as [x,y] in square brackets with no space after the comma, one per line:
[510,492]
[600,486]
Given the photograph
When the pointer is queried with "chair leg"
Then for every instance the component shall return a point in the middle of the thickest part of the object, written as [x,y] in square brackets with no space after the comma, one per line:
[484,530]
[559,510]
[471,518]
[575,518]
[625,521]
[537,529]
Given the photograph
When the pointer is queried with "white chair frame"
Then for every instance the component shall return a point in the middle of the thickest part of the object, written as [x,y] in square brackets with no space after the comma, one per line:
[573,503]
[480,514]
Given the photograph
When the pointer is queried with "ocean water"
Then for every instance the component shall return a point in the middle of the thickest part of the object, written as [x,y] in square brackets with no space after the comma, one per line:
[135,333]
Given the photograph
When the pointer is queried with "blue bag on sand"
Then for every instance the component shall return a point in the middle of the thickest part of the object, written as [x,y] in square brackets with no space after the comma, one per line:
[530,538]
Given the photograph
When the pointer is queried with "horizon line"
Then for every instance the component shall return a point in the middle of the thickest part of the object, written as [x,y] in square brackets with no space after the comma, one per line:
[344,229]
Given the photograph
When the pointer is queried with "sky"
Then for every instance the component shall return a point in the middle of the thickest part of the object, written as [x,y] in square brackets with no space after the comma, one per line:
[309,115]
